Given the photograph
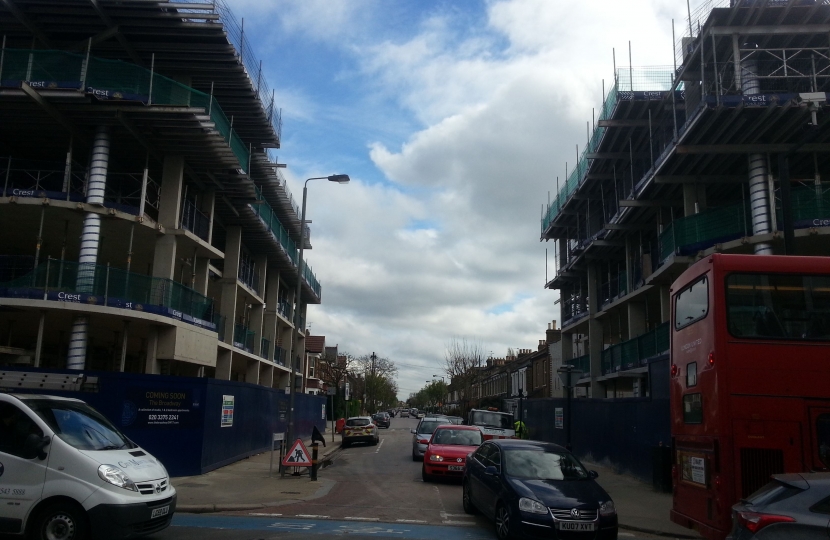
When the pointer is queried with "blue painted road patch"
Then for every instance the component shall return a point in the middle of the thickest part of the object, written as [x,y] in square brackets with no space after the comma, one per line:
[325,527]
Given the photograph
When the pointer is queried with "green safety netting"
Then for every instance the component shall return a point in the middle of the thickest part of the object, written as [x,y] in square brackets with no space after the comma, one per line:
[582,363]
[267,215]
[113,286]
[633,352]
[808,204]
[692,233]
[656,79]
[114,79]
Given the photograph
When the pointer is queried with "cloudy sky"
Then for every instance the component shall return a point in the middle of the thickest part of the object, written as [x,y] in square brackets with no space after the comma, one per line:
[453,119]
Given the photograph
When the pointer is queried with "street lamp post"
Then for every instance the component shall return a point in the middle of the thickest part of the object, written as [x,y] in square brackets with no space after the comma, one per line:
[566,372]
[295,310]
[521,411]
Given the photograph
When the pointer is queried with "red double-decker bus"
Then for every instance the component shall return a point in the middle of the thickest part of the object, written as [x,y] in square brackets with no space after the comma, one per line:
[750,365]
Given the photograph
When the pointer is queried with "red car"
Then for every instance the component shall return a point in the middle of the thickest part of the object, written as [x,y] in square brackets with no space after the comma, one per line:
[447,452]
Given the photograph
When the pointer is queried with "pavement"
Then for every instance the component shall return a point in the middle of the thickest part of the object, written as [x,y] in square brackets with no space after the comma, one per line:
[247,486]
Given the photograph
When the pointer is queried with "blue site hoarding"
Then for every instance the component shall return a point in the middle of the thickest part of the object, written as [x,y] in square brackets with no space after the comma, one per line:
[193,425]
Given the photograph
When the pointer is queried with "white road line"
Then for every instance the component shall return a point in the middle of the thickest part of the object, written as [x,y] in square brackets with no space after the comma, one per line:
[410,520]
[260,514]
[379,446]
[466,523]
[361,518]
[311,516]
[446,515]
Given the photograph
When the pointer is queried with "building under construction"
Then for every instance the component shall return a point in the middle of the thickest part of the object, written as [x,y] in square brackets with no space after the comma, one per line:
[724,151]
[146,228]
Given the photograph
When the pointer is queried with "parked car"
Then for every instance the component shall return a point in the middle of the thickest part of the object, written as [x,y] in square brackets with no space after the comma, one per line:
[68,473]
[789,506]
[536,489]
[420,415]
[422,434]
[457,420]
[359,429]
[404,413]
[447,451]
[382,420]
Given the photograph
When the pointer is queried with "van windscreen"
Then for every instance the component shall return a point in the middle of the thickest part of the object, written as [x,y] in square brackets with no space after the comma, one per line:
[79,425]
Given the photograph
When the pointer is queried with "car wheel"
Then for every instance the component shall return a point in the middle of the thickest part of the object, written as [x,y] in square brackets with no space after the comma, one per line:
[344,444]
[466,500]
[503,524]
[60,521]
[424,476]
[414,456]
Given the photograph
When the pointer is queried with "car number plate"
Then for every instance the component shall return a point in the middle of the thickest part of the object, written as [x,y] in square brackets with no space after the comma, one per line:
[158,512]
[456,467]
[576,526]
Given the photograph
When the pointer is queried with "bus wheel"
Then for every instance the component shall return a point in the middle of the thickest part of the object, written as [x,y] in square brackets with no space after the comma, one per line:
[60,521]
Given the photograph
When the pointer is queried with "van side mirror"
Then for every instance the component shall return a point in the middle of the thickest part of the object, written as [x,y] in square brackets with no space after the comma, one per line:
[34,445]
[593,474]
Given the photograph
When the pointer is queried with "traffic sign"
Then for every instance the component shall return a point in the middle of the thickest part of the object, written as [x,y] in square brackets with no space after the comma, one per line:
[298,456]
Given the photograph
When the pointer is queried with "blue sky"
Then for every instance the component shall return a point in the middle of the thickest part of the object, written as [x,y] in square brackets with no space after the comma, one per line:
[453,119]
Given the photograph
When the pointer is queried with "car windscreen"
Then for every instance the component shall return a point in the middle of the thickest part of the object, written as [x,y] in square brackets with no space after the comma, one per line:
[79,425]
[542,464]
[357,422]
[492,419]
[428,427]
[461,437]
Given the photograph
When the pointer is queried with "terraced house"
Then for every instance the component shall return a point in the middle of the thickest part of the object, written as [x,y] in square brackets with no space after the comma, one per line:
[726,150]
[146,226]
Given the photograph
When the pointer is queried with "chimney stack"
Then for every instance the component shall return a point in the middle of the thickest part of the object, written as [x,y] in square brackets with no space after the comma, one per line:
[553,335]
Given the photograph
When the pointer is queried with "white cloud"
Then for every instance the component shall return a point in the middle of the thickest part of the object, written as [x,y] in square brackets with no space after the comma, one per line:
[447,245]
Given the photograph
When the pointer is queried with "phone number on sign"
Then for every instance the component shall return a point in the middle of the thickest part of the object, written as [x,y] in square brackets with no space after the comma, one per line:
[162,417]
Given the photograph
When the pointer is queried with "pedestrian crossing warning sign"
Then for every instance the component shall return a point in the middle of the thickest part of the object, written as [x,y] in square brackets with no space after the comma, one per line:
[297,456]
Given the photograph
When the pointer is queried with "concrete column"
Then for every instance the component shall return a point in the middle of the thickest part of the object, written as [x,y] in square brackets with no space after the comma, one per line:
[665,303]
[202,273]
[270,319]
[636,319]
[151,363]
[595,339]
[227,307]
[207,202]
[170,195]
[223,365]
[258,310]
[164,257]
[266,375]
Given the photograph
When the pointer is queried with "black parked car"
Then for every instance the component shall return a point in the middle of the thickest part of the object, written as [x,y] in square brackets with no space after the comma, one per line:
[530,488]
[382,420]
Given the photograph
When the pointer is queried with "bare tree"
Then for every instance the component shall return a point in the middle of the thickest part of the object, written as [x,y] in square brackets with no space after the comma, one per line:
[463,360]
[380,374]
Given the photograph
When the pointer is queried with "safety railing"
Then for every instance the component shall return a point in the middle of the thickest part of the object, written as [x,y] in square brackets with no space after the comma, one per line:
[103,285]
[247,274]
[690,234]
[284,309]
[219,321]
[810,207]
[582,363]
[267,215]
[280,355]
[195,221]
[112,80]
[637,351]
[627,81]
[243,338]
[265,349]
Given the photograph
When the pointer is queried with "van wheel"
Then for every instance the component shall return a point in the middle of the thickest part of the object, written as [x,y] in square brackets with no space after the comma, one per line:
[61,521]
[466,499]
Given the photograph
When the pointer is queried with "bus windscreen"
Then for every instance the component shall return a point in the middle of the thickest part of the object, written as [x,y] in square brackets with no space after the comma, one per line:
[778,306]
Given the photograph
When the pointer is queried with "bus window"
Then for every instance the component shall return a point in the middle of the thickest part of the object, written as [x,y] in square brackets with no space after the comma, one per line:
[691,304]
[692,409]
[782,306]
[823,438]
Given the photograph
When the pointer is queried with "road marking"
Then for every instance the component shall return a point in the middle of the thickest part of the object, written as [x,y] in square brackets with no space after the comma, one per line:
[410,521]
[292,526]
[311,516]
[465,523]
[446,515]
[379,446]
[350,518]
[261,514]
[624,534]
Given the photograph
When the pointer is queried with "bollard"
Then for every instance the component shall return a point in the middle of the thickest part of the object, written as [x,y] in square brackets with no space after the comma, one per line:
[314,461]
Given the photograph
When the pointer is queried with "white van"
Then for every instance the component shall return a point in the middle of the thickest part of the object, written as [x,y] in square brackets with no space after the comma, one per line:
[66,473]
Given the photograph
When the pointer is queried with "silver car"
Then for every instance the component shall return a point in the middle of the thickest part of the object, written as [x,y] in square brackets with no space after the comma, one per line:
[790,506]
[422,434]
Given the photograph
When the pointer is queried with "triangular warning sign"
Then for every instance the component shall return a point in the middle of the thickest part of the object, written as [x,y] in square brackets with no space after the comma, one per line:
[298,456]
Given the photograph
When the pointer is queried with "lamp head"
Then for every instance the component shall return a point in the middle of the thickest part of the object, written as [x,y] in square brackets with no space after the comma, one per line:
[339,178]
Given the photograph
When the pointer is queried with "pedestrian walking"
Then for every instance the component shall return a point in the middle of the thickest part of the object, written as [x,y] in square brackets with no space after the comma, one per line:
[521,429]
